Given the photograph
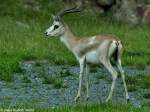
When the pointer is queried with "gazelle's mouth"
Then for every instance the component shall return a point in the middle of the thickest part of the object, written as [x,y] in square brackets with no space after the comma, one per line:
[46,33]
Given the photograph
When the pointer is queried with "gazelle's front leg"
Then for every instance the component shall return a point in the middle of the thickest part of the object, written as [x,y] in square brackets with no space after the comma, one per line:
[87,81]
[82,65]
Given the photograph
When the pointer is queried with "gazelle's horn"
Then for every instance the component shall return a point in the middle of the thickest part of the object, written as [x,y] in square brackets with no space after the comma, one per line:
[77,8]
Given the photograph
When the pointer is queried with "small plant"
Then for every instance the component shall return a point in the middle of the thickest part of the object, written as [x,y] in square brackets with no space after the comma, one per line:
[55,80]
[146,95]
[132,80]
[38,64]
[101,76]
[29,57]
[58,83]
[65,72]
[18,70]
[104,77]
[93,69]
[145,81]
[26,80]
[48,80]
[132,88]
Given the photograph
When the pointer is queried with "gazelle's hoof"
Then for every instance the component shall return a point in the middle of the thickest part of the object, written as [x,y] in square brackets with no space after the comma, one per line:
[106,101]
[76,98]
[128,100]
[87,98]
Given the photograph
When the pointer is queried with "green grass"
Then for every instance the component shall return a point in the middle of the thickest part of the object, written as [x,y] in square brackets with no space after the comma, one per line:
[99,108]
[140,81]
[90,108]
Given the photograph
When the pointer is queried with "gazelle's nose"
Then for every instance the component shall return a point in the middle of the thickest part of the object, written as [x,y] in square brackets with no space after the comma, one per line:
[46,33]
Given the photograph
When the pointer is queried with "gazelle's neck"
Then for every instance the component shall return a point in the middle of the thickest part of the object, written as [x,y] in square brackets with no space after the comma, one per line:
[68,38]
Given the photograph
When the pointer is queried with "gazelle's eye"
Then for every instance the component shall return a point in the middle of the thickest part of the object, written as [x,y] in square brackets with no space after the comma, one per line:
[55,27]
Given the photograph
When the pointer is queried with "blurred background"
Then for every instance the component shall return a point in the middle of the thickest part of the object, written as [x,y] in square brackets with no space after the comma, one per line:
[131,11]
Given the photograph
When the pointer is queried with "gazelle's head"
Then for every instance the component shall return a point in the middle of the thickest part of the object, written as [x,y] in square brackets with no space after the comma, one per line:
[58,28]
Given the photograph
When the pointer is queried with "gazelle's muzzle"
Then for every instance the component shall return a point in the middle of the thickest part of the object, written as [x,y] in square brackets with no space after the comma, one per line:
[45,33]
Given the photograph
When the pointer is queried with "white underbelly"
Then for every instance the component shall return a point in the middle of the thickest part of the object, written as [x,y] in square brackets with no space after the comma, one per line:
[91,57]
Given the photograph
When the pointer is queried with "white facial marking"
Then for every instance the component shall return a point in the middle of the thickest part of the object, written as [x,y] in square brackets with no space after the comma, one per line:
[56,29]
[51,29]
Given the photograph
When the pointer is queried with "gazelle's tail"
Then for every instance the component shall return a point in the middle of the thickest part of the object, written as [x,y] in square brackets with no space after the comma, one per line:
[118,51]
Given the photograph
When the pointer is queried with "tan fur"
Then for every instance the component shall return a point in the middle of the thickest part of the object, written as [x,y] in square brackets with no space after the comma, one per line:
[81,46]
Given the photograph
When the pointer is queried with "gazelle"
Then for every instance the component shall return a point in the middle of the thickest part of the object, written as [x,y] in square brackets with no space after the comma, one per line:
[94,50]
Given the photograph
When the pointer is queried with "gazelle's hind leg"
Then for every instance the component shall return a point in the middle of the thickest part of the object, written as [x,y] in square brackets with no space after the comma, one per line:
[105,60]
[113,72]
[123,78]
[118,63]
